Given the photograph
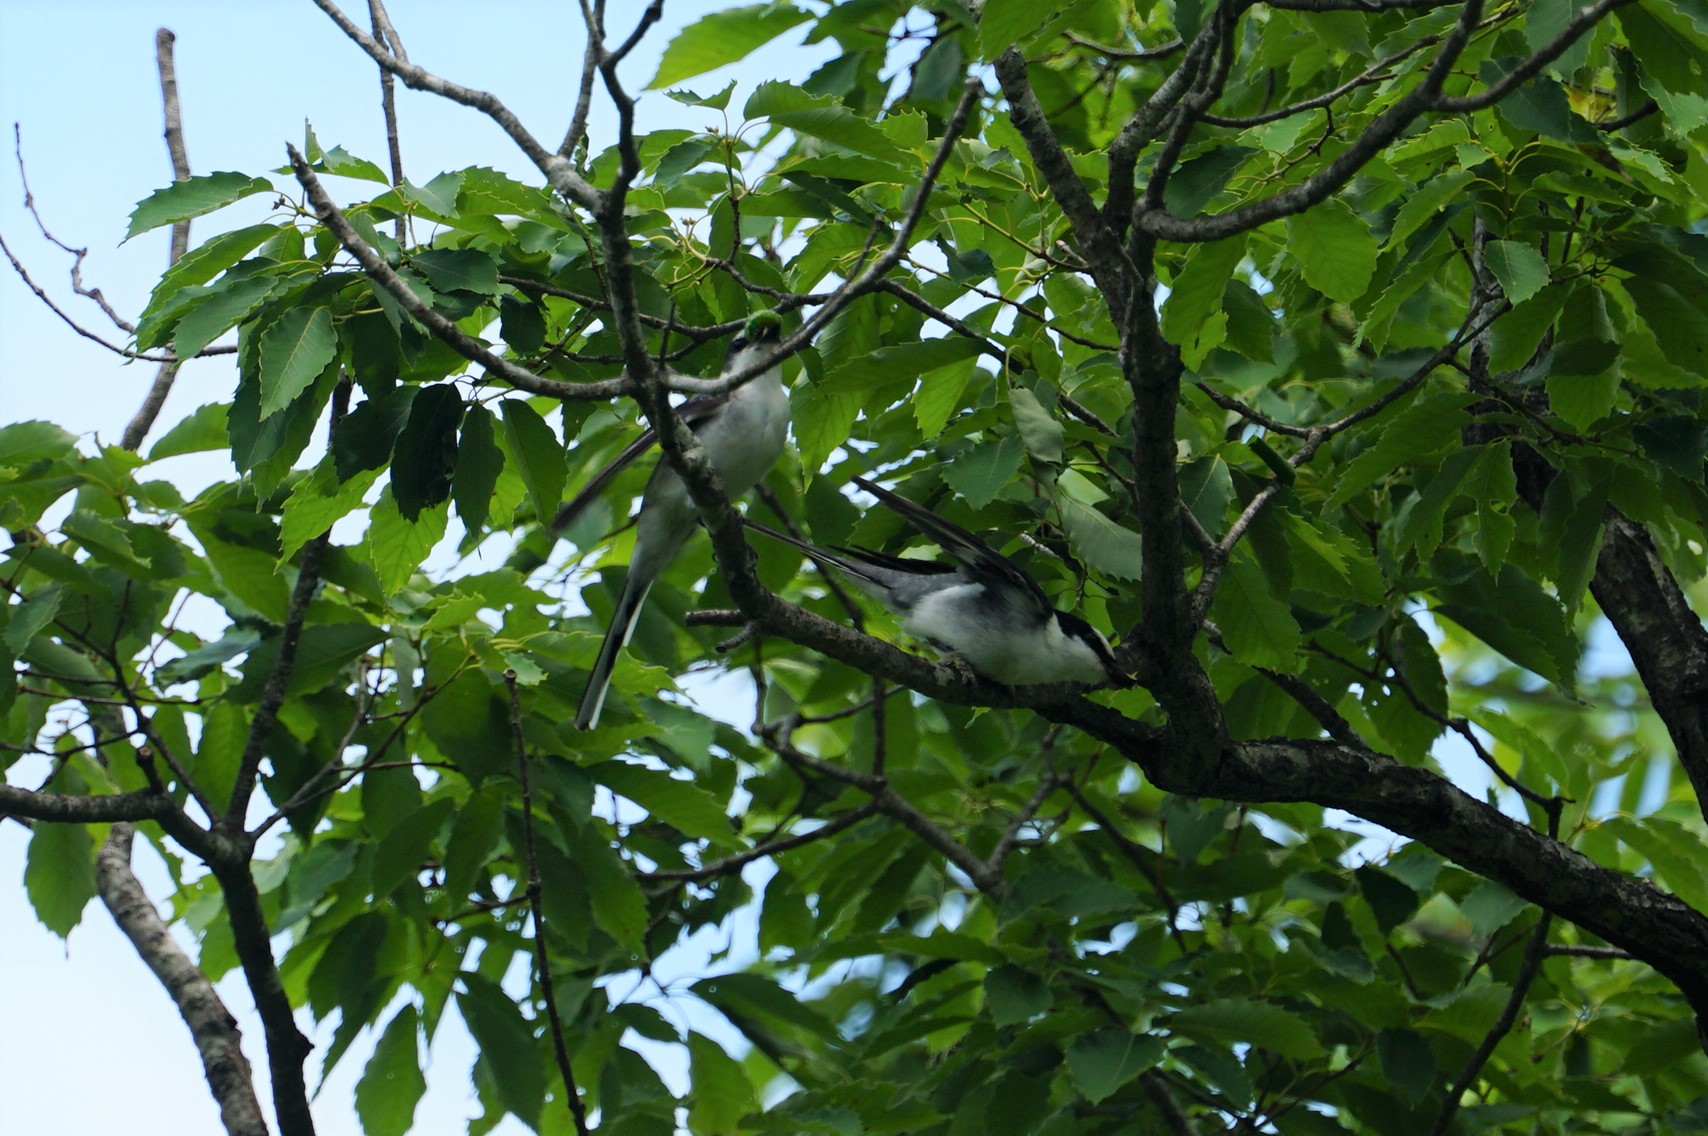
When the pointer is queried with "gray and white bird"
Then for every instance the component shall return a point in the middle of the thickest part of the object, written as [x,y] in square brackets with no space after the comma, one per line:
[743,431]
[983,608]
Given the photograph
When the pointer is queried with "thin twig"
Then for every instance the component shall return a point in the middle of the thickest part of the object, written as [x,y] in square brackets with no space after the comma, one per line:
[536,910]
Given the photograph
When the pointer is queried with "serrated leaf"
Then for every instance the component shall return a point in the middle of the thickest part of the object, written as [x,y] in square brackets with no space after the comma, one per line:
[294,351]
[59,875]
[317,501]
[619,907]
[208,260]
[1038,428]
[23,443]
[939,397]
[903,362]
[1198,287]
[539,455]
[1680,328]
[365,437]
[683,805]
[1105,546]
[28,618]
[1014,995]
[1255,1023]
[722,1094]
[228,303]
[985,470]
[426,452]
[1489,907]
[1335,250]
[1008,23]
[506,1043]
[1102,1061]
[1426,425]
[1520,269]
[193,197]
[458,270]
[823,117]
[1408,1063]
[722,38]
[479,462]
[1256,626]
[392,1083]
[203,430]
[396,547]
[1424,203]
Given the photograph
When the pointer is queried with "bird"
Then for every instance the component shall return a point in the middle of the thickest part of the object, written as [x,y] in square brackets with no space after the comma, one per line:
[983,608]
[743,431]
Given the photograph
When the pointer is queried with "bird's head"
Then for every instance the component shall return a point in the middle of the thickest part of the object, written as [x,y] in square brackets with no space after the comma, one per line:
[763,327]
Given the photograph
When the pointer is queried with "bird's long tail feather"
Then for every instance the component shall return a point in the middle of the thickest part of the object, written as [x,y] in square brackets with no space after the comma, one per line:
[617,636]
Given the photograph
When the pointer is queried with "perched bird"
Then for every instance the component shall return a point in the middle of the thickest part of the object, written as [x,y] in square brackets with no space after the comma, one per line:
[743,431]
[983,608]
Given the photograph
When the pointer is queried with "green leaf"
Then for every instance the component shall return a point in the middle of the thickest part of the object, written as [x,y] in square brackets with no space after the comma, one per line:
[192,198]
[682,805]
[426,453]
[506,1042]
[1520,269]
[365,437]
[1489,907]
[23,443]
[1256,626]
[985,470]
[1038,428]
[940,395]
[821,422]
[722,38]
[401,852]
[1198,287]
[479,462]
[1255,1023]
[1672,850]
[475,836]
[28,618]
[1423,204]
[1105,546]
[1335,249]
[316,503]
[825,118]
[1426,425]
[722,1094]
[903,362]
[1407,1062]
[203,430]
[1680,328]
[1008,23]
[1015,995]
[538,453]
[392,1084]
[619,907]
[228,303]
[458,270]
[1102,1061]
[294,351]
[396,547]
[208,260]
[59,875]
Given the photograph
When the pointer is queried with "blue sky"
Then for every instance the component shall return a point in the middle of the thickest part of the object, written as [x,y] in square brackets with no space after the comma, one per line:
[79,79]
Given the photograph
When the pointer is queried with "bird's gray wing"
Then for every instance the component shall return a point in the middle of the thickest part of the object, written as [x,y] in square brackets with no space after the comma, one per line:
[694,412]
[981,560]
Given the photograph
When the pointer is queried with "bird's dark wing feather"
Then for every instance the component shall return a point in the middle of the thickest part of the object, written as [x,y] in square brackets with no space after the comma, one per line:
[979,557]
[695,411]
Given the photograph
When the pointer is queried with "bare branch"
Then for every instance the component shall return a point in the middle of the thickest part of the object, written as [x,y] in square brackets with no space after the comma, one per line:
[212,1026]
[558,170]
[536,911]
[734,863]
[72,808]
[465,345]
[137,429]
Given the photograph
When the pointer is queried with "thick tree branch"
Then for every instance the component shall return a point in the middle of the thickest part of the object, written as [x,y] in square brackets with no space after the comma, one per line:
[71,808]
[1665,637]
[212,1026]
[139,426]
